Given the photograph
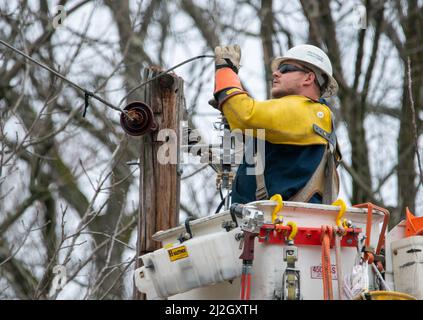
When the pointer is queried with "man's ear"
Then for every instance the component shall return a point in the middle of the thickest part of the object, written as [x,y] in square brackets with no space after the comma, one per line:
[310,78]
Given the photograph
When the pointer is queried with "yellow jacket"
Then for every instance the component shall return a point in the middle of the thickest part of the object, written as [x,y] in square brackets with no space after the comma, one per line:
[287,120]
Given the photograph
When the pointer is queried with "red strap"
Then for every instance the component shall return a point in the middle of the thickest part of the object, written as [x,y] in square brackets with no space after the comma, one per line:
[243,286]
[248,291]
[326,264]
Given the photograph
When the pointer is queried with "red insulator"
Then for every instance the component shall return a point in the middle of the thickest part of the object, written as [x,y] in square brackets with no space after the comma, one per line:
[138,120]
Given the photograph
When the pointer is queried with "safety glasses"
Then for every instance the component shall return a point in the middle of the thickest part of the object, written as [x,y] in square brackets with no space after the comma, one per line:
[285,68]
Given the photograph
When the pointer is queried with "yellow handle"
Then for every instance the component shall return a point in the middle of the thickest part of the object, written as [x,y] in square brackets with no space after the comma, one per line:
[293,231]
[278,198]
[345,223]
[343,208]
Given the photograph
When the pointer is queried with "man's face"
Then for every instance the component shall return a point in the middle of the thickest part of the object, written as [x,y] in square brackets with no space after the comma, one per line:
[289,83]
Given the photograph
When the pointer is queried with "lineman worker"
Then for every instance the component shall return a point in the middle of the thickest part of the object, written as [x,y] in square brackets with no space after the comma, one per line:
[301,152]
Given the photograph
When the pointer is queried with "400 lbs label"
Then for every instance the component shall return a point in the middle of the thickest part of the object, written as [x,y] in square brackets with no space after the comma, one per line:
[316,272]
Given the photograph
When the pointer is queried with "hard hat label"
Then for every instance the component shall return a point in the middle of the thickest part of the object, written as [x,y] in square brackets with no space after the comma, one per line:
[315,56]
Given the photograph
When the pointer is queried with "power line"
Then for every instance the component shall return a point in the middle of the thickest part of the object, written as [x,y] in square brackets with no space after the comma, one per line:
[163,73]
[57,74]
[88,93]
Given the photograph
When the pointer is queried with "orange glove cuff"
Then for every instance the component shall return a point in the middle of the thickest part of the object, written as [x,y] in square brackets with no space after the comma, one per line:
[226,78]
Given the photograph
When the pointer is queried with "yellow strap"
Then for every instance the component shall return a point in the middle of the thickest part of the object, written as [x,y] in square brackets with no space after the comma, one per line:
[343,207]
[278,198]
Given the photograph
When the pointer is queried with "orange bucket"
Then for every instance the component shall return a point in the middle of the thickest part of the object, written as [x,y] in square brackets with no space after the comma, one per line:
[413,225]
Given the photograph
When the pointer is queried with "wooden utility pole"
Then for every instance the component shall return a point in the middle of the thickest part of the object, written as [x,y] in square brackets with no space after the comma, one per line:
[159,188]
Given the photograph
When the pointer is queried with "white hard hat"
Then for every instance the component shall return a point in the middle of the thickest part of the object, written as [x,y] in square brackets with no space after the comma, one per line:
[315,59]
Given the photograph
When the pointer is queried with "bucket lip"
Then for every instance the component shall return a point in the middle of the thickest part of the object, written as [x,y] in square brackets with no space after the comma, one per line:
[406,242]
[163,234]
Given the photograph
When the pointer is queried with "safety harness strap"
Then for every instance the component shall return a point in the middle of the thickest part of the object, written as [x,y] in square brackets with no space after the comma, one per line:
[315,184]
[324,181]
[261,190]
[331,138]
[331,180]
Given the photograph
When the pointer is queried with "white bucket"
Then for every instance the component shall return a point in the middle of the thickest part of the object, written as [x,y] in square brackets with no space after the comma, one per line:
[407,265]
[212,257]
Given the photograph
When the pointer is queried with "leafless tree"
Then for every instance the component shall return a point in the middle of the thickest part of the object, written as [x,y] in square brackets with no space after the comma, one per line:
[67,196]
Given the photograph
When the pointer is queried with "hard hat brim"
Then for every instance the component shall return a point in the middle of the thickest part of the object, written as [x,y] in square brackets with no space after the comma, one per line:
[331,88]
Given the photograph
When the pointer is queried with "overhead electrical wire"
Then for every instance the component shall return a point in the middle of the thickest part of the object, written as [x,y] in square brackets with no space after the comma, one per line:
[88,94]
[91,94]
[163,73]
[57,74]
